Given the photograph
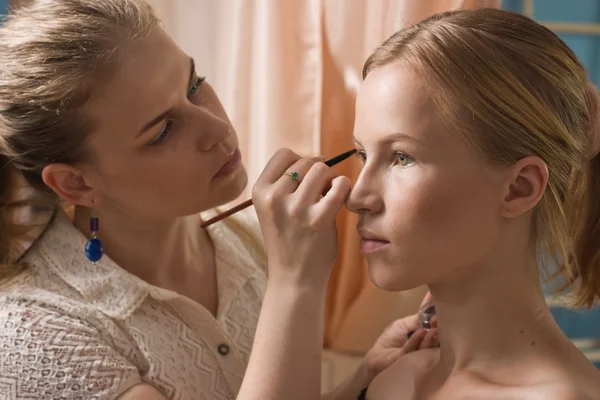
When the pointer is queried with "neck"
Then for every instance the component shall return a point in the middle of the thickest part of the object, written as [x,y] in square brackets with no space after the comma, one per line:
[153,250]
[495,311]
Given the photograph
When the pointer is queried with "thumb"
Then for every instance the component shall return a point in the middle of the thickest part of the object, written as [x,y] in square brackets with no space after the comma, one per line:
[396,334]
[414,342]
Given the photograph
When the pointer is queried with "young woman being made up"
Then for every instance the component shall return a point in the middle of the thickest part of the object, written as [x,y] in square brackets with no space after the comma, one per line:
[480,134]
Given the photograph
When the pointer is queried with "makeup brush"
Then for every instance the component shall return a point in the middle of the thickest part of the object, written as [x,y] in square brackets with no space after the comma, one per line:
[248,203]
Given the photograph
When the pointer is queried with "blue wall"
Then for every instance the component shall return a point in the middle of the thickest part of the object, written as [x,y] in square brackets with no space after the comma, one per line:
[587,47]
[3,4]
[577,325]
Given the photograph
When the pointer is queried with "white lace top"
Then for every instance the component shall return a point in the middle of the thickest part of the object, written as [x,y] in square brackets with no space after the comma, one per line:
[74,330]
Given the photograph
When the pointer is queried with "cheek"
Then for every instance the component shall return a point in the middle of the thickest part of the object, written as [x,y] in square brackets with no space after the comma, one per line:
[161,174]
[448,200]
[417,200]
[440,214]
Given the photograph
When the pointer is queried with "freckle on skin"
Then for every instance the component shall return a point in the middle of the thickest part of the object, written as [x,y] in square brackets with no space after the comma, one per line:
[533,343]
[522,331]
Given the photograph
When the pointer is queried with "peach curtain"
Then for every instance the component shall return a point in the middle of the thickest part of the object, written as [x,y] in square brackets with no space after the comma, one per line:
[287,72]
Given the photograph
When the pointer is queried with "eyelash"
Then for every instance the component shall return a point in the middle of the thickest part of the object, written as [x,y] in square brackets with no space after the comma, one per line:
[363,156]
[196,86]
[164,132]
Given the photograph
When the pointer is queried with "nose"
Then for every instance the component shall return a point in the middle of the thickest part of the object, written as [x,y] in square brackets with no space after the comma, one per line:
[366,196]
[211,130]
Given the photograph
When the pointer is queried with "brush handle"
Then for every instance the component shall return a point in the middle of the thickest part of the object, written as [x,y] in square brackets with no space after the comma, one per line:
[248,203]
[338,159]
[227,213]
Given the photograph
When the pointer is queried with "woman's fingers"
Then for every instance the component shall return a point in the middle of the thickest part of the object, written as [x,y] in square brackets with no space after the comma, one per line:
[277,165]
[411,323]
[430,340]
[297,224]
[317,179]
[421,339]
[314,180]
[433,322]
[290,180]
[414,342]
[285,170]
[334,199]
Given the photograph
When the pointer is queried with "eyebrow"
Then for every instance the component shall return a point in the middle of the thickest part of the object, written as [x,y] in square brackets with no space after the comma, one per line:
[394,137]
[162,116]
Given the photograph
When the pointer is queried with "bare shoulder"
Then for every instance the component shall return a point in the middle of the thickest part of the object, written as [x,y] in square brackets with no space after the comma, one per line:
[579,380]
[553,392]
[398,381]
[470,386]
[586,386]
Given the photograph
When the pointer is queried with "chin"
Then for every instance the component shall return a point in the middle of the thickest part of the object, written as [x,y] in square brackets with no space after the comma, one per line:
[391,278]
[232,188]
[219,194]
[239,183]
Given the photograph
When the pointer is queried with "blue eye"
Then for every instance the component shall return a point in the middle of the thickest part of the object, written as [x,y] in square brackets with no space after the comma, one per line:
[162,135]
[195,86]
[404,159]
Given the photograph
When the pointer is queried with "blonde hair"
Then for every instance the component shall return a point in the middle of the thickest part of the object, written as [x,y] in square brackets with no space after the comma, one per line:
[516,90]
[53,53]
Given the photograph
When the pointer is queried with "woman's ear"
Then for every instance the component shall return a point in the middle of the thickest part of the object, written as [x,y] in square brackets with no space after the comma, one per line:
[69,184]
[525,186]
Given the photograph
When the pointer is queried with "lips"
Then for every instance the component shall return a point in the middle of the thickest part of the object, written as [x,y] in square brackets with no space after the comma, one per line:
[230,165]
[368,234]
[370,242]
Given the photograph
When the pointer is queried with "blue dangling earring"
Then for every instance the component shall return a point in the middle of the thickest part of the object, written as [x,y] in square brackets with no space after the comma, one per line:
[93,247]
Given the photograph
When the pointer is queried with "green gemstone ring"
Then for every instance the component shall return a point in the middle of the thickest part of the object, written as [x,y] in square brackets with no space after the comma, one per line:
[293,175]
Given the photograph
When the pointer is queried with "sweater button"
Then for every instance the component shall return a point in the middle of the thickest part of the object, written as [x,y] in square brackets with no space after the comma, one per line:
[223,349]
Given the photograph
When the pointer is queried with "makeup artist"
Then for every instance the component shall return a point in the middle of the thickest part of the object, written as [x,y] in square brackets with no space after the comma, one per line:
[129,298]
